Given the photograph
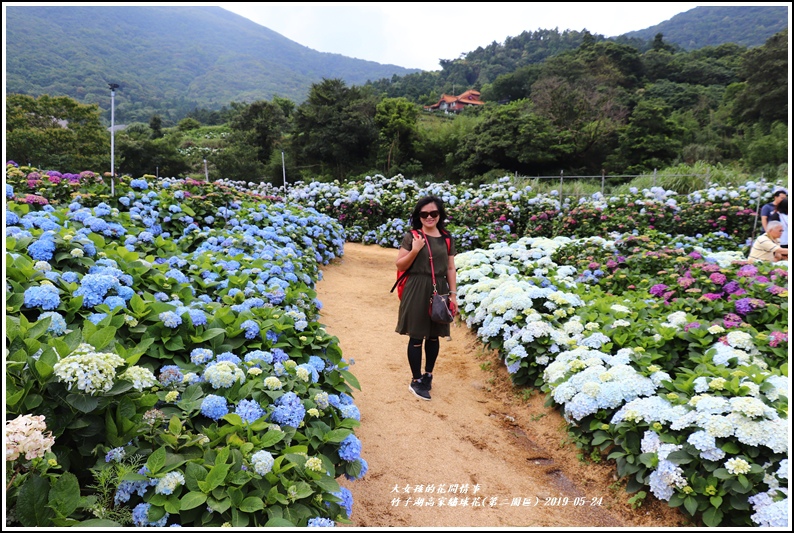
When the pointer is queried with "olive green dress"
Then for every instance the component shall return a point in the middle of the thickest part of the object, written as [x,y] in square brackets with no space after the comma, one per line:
[414,317]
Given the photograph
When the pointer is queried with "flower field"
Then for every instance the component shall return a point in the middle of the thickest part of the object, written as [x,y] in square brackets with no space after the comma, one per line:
[168,336]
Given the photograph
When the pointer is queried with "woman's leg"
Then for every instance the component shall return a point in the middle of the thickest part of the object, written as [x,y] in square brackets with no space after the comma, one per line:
[431,353]
[415,357]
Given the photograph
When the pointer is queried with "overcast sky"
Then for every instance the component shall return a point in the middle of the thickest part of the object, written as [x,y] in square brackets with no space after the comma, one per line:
[418,34]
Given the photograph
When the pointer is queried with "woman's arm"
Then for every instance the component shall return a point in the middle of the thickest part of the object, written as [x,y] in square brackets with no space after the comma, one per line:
[405,258]
[452,280]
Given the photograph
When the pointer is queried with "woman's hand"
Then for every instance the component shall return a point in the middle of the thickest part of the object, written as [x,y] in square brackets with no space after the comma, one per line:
[418,243]
[453,304]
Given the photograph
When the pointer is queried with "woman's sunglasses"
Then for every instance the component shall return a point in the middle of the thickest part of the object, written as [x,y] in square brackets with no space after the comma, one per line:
[426,214]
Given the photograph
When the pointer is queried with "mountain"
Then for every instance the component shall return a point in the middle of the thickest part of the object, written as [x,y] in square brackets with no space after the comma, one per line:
[186,56]
[712,26]
[169,60]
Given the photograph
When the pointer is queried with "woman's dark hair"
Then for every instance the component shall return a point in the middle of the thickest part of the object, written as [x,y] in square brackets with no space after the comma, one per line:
[416,222]
[782,207]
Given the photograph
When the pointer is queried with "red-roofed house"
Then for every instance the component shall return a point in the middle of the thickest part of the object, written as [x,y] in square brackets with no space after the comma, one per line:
[454,104]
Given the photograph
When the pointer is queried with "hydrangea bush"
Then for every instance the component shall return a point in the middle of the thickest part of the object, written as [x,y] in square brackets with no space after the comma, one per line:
[677,386]
[174,350]
[168,335]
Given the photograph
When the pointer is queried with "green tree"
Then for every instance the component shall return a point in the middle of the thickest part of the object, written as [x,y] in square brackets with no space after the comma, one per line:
[766,90]
[509,137]
[650,140]
[287,106]
[138,155]
[397,132]
[586,116]
[334,129]
[188,124]
[439,138]
[262,124]
[156,125]
[659,44]
[238,162]
[764,152]
[55,133]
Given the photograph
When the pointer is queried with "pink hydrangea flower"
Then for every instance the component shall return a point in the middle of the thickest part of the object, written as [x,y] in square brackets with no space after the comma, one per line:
[25,435]
[718,278]
[777,337]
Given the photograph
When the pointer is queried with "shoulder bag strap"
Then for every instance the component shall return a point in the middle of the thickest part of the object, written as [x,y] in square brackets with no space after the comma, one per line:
[406,271]
[432,269]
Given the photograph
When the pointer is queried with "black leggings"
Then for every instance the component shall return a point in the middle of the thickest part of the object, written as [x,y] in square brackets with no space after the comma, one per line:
[415,355]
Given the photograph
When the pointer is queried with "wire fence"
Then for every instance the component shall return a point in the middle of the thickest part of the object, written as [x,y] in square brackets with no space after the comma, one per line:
[604,177]
[706,177]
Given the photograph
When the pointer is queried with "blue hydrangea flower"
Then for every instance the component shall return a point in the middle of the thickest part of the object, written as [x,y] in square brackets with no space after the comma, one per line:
[169,482]
[259,355]
[279,355]
[289,410]
[317,363]
[350,448]
[200,356]
[114,302]
[178,276]
[362,473]
[228,356]
[127,488]
[249,410]
[57,322]
[262,461]
[197,317]
[96,318]
[42,249]
[171,375]
[214,407]
[350,411]
[170,319]
[346,496]
[115,455]
[140,516]
[320,522]
[251,329]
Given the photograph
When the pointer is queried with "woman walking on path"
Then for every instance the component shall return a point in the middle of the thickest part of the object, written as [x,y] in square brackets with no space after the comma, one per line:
[427,221]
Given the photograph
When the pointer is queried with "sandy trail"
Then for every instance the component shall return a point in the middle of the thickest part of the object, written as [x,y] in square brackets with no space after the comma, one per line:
[480,453]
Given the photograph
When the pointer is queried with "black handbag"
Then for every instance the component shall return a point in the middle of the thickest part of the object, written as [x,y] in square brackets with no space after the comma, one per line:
[439,309]
[439,303]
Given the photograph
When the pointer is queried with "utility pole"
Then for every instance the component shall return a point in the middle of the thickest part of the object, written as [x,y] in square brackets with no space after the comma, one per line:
[113,87]
[284,172]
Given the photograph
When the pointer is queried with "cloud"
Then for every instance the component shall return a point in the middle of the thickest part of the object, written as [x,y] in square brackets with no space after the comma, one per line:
[418,34]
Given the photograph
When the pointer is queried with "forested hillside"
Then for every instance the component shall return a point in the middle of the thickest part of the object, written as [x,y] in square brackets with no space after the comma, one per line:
[168,60]
[709,25]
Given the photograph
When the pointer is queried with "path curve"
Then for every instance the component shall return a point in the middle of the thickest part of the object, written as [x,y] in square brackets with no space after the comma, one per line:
[507,451]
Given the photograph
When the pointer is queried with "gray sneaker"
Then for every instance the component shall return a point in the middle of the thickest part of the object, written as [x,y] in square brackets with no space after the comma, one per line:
[427,380]
[419,389]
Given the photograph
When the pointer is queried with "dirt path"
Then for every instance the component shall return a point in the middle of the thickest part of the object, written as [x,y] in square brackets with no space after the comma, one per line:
[507,454]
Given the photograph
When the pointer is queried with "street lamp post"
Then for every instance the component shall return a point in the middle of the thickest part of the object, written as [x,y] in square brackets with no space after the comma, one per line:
[113,87]
[206,172]
[284,173]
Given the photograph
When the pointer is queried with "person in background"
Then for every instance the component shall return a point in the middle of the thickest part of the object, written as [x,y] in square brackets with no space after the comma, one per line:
[781,214]
[767,209]
[427,219]
[767,246]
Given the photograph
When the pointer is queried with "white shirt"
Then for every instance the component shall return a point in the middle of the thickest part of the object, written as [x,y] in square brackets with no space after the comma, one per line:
[784,235]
